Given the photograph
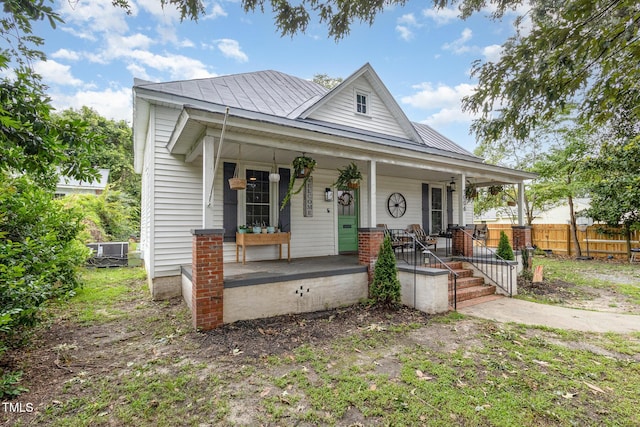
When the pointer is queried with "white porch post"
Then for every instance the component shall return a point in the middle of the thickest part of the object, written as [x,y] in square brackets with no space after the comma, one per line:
[372,216]
[208,159]
[461,199]
[521,203]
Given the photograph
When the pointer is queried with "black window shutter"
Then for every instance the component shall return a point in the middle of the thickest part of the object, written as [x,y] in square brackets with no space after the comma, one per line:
[230,212]
[426,207]
[285,214]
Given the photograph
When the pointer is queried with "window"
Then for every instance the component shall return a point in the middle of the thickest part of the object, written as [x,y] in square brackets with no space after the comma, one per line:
[436,210]
[258,197]
[361,103]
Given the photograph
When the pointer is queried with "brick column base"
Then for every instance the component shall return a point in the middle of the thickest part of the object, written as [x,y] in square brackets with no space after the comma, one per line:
[462,242]
[369,242]
[207,279]
[521,237]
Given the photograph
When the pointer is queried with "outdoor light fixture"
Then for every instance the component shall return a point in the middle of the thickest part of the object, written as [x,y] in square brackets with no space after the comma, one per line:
[328,195]
[452,184]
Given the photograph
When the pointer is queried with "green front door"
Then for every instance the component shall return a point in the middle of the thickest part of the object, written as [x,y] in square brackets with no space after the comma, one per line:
[347,221]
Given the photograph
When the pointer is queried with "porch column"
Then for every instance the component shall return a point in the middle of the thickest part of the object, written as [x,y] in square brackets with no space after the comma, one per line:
[521,204]
[369,242]
[207,279]
[521,237]
[208,160]
[372,216]
[462,242]
[461,199]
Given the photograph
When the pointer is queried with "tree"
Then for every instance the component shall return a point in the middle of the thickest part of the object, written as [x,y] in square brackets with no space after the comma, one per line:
[563,172]
[31,142]
[615,191]
[385,288]
[326,81]
[504,250]
[580,51]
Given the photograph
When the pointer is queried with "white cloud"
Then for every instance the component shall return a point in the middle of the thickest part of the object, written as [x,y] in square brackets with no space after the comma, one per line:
[167,14]
[231,49]
[179,67]
[112,104]
[406,24]
[405,33]
[448,116]
[95,16]
[408,19]
[441,16]
[69,55]
[444,100]
[54,72]
[492,53]
[216,11]
[459,45]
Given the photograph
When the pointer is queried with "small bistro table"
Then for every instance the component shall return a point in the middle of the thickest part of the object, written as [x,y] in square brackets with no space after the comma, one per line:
[262,239]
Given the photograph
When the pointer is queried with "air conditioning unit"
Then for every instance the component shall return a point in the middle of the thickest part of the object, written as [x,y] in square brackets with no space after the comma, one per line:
[108,254]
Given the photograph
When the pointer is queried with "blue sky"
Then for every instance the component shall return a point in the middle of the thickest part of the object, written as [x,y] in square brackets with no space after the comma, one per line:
[423,56]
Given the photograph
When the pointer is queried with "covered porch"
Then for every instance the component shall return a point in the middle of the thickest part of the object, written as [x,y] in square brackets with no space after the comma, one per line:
[429,183]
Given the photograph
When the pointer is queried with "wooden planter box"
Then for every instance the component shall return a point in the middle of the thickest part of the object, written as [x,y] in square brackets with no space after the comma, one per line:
[262,239]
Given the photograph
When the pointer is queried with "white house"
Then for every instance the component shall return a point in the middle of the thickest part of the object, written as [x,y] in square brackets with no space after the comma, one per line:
[191,136]
[67,185]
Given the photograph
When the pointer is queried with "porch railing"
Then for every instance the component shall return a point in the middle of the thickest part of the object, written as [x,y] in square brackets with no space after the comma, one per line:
[496,269]
[410,250]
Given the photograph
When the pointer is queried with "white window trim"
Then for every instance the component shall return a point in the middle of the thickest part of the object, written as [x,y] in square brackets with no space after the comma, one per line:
[365,93]
[443,198]
[274,208]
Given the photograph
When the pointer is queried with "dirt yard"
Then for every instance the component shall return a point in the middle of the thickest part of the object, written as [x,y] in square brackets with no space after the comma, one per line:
[66,358]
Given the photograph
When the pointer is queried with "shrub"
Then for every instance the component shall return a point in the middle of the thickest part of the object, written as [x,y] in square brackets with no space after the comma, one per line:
[504,248]
[385,288]
[39,252]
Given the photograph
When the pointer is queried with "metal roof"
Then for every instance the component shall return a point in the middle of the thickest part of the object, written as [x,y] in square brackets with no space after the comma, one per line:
[268,92]
[278,94]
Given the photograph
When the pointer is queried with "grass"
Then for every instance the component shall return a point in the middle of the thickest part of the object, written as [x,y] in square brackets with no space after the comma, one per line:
[471,373]
[594,274]
[104,288]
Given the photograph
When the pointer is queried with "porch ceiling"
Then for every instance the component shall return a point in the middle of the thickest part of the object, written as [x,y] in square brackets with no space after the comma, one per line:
[260,140]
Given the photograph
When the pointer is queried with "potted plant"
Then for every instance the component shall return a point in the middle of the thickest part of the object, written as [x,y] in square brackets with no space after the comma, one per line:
[349,177]
[471,192]
[242,229]
[302,166]
[494,190]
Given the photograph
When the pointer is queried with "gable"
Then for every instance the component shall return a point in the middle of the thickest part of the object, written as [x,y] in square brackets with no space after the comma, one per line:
[341,109]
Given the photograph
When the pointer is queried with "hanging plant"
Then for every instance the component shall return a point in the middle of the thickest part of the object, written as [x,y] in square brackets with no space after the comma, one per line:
[274,176]
[349,177]
[470,192]
[237,183]
[494,190]
[302,166]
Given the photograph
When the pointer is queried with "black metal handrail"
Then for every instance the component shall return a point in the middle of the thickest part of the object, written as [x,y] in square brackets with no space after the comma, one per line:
[415,253]
[490,264]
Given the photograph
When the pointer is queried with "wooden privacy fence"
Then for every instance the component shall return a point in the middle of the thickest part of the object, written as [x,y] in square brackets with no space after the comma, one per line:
[557,238]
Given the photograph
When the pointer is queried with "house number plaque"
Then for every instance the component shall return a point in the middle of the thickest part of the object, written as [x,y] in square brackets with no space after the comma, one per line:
[308,198]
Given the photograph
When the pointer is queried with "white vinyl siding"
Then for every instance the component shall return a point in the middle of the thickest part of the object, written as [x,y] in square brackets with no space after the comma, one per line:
[310,236]
[342,110]
[177,201]
[412,192]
